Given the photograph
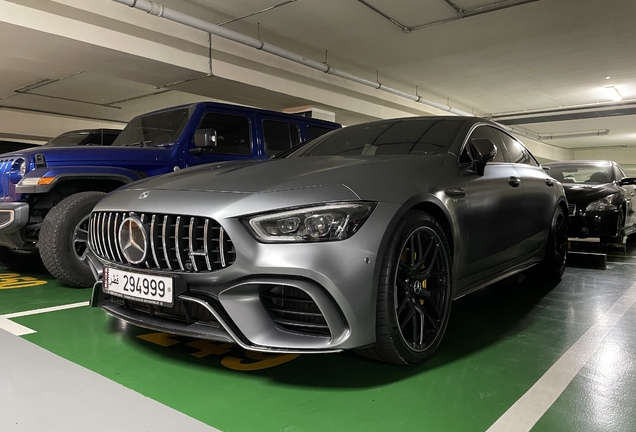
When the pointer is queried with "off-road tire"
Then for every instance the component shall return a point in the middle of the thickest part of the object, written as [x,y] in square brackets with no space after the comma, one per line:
[56,239]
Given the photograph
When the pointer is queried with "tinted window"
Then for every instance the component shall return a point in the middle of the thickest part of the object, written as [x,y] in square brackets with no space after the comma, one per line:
[619,173]
[232,133]
[279,136]
[391,137]
[70,139]
[488,133]
[154,130]
[517,152]
[316,131]
[106,138]
[581,173]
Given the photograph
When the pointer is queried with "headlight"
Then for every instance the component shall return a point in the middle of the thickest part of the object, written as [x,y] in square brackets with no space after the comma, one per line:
[604,204]
[336,221]
[23,168]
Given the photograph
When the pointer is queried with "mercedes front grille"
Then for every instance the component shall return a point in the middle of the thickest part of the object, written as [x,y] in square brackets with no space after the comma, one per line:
[176,242]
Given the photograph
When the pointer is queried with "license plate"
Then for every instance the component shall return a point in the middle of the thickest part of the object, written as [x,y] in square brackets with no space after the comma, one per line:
[142,287]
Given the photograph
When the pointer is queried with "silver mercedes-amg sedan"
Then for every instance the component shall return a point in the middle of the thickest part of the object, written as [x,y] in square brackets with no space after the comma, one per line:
[359,239]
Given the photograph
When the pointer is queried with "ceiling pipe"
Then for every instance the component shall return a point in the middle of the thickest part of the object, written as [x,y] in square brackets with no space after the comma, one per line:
[554,136]
[159,10]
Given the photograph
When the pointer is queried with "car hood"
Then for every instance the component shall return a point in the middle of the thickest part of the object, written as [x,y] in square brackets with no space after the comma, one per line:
[77,154]
[284,174]
[582,193]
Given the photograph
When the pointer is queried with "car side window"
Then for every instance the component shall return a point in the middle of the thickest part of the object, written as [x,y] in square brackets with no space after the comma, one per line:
[619,173]
[316,131]
[106,139]
[232,133]
[517,152]
[279,136]
[488,133]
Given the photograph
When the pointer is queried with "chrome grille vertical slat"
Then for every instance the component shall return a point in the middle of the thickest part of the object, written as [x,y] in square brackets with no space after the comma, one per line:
[90,232]
[222,247]
[153,227]
[142,218]
[116,237]
[109,229]
[177,242]
[206,239]
[164,236]
[100,238]
[191,235]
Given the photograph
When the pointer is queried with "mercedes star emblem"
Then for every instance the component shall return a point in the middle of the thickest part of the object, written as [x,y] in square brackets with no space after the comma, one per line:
[133,240]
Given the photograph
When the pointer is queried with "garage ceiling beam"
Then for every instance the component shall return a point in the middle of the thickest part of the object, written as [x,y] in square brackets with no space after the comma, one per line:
[172,15]
[460,13]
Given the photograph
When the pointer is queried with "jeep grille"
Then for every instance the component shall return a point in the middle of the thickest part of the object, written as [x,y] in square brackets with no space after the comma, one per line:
[176,242]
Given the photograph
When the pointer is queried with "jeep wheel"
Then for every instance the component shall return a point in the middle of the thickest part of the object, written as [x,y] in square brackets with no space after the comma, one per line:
[63,240]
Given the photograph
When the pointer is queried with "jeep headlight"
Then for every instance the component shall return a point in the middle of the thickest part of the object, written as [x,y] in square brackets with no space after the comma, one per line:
[334,221]
[23,168]
[604,204]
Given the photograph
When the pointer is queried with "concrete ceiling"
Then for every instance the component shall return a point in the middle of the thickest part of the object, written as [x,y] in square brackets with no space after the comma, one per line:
[544,55]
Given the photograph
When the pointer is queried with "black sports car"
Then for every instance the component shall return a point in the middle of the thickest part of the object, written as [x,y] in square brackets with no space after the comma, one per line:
[600,197]
[358,239]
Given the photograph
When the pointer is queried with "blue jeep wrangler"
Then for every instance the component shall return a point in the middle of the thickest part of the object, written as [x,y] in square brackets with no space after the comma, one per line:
[47,194]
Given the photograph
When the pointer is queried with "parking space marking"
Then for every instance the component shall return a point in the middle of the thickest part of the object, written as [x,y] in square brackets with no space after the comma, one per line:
[20,330]
[526,412]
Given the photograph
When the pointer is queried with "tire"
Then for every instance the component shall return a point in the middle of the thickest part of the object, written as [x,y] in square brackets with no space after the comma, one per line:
[556,249]
[20,260]
[63,239]
[414,294]
[620,231]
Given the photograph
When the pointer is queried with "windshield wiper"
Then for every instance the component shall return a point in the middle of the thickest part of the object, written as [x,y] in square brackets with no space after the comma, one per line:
[139,143]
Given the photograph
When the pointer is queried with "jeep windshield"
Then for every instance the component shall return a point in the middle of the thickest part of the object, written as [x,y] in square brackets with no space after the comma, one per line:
[154,130]
[389,137]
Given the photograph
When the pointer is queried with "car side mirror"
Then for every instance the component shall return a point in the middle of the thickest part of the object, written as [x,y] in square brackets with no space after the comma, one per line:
[205,138]
[627,181]
[482,151]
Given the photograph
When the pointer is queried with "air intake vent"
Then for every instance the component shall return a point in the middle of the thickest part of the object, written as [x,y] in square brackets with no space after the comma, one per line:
[294,310]
[181,311]
[175,242]
[571,209]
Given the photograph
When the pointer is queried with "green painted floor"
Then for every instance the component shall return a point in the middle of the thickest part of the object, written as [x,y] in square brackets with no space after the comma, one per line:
[499,342]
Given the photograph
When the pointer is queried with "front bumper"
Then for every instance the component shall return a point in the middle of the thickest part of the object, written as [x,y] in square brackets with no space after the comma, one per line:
[335,280]
[13,217]
[594,224]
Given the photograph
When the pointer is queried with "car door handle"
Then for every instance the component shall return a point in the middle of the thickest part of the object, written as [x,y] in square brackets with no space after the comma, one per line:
[549,182]
[514,181]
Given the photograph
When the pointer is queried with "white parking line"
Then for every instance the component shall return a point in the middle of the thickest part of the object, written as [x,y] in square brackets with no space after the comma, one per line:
[526,412]
[19,329]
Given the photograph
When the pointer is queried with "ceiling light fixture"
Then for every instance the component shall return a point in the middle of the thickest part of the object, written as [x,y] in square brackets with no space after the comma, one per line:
[613,93]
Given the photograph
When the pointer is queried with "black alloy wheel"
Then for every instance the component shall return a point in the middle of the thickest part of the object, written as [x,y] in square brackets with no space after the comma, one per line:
[414,294]
[560,242]
[620,230]
[556,250]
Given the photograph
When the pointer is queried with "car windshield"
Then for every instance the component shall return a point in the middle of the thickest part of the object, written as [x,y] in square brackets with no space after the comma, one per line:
[582,173]
[67,140]
[154,130]
[391,137]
